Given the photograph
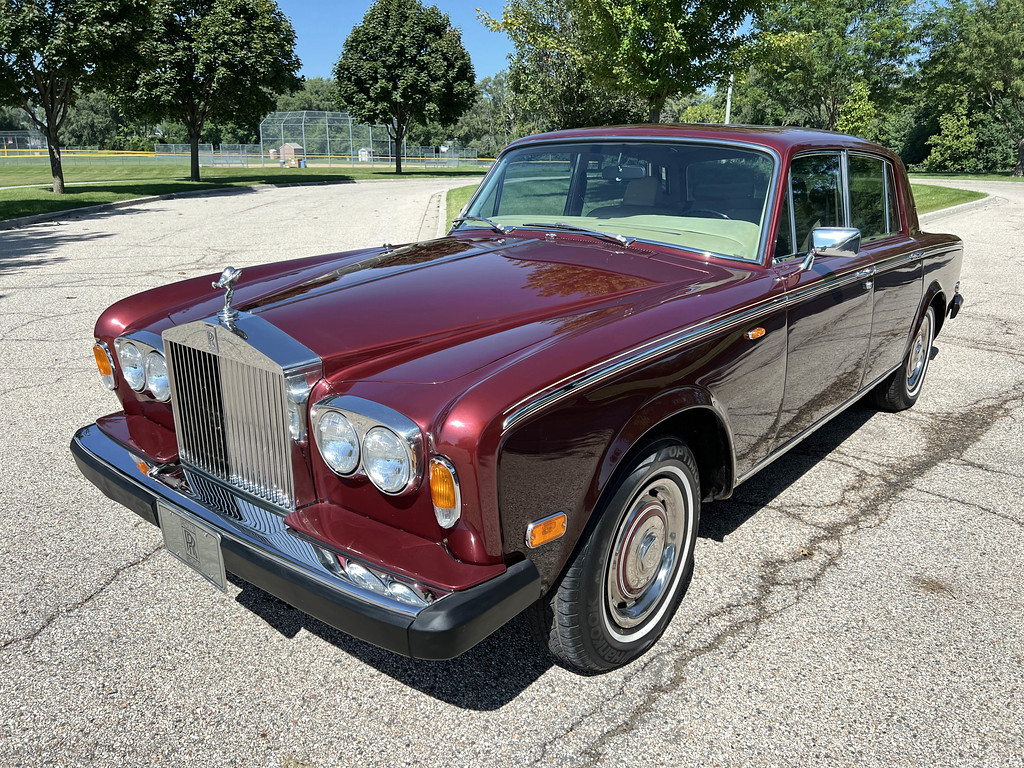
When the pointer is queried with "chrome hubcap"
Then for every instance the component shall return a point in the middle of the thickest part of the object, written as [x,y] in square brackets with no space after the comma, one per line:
[919,355]
[645,552]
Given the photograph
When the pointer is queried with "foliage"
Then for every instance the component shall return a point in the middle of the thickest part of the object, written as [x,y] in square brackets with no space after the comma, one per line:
[857,115]
[953,147]
[977,48]
[699,108]
[813,52]
[221,60]
[50,48]
[318,94]
[91,122]
[405,63]
[491,122]
[657,48]
[550,87]
[13,119]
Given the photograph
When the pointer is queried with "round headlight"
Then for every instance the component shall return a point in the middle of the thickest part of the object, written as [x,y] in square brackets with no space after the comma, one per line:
[338,443]
[156,377]
[132,366]
[386,460]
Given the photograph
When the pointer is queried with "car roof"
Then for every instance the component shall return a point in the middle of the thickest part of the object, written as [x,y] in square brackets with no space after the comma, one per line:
[784,140]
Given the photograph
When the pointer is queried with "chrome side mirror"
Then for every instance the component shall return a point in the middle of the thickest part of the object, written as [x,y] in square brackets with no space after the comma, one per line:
[832,241]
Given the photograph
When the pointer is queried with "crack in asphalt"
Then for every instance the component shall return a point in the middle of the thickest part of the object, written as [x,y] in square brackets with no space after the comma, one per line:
[67,609]
[976,507]
[874,510]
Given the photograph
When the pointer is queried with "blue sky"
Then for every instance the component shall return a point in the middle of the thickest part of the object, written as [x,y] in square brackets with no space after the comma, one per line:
[321,28]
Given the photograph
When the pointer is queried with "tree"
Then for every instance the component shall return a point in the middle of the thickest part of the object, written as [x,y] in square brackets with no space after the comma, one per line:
[857,114]
[954,146]
[405,63]
[91,121]
[551,87]
[318,94]
[813,52]
[975,48]
[658,48]
[222,60]
[51,49]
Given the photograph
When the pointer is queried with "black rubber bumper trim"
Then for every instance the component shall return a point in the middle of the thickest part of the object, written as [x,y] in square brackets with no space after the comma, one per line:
[443,630]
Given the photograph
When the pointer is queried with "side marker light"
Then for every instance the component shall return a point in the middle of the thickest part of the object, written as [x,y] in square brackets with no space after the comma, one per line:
[547,529]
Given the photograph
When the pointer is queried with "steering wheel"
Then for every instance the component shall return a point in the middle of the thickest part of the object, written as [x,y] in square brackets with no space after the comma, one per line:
[705,213]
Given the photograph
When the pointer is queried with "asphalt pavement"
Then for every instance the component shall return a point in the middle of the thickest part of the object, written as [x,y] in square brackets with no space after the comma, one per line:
[858,603]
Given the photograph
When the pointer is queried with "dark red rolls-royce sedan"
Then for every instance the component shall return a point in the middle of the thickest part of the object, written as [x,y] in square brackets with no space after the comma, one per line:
[415,444]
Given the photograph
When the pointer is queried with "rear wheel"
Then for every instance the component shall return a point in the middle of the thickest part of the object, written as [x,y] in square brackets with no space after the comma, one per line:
[902,388]
[623,585]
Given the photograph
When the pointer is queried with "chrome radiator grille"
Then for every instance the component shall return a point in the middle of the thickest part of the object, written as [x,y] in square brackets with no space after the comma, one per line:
[231,419]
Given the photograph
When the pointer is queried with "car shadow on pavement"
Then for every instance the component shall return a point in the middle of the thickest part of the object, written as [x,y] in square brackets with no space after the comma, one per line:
[485,678]
[721,518]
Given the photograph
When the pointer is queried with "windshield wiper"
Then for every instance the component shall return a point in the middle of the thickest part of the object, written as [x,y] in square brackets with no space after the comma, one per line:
[492,224]
[561,225]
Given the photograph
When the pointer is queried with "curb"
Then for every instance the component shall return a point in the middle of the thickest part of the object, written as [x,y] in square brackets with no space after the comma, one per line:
[989,201]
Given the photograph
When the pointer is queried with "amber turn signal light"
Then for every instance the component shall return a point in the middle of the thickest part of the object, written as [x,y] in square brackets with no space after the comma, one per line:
[542,531]
[444,492]
[104,364]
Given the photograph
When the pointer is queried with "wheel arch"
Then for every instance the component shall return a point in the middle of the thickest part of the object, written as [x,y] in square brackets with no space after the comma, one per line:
[689,414]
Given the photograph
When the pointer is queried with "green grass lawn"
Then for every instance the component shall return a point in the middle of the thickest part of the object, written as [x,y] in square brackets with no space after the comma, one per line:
[457,198]
[931,198]
[126,181]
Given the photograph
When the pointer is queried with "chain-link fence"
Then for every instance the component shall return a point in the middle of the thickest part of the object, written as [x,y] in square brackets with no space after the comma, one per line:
[335,138]
[11,141]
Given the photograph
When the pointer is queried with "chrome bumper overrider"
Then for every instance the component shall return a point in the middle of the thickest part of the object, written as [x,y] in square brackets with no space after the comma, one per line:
[258,547]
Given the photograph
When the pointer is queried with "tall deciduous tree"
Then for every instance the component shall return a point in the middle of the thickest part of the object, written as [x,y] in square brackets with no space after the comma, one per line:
[978,48]
[318,94]
[551,86]
[405,63]
[50,48]
[659,48]
[220,60]
[814,51]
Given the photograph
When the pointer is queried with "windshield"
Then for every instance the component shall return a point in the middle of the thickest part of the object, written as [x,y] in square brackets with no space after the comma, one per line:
[700,196]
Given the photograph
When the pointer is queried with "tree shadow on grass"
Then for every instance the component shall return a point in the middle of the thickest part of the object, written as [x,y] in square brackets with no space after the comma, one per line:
[37,200]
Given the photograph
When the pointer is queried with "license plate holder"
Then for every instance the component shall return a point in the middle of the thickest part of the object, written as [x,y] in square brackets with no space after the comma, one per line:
[194,543]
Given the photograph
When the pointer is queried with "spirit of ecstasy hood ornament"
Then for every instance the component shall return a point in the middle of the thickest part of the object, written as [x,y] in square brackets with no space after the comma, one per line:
[227,281]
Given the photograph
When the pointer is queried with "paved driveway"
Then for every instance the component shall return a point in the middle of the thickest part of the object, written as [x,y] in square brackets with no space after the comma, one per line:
[860,603]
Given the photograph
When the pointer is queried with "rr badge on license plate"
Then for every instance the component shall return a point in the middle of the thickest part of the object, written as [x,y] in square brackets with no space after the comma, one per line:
[194,543]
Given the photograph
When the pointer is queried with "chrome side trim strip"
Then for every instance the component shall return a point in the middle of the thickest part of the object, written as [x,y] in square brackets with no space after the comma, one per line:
[665,345]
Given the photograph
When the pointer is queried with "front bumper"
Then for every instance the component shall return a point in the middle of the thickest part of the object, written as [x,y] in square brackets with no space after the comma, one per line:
[257,547]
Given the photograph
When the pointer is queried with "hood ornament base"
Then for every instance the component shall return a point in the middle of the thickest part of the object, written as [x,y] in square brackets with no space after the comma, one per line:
[228,278]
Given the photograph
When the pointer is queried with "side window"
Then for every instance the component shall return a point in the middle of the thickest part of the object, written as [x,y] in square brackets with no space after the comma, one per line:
[893,209]
[784,233]
[817,195]
[867,196]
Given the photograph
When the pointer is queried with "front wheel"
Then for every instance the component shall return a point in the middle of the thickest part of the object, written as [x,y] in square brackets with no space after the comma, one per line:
[624,583]
[901,389]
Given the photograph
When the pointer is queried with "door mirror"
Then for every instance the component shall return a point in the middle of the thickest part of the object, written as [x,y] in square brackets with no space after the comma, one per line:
[832,241]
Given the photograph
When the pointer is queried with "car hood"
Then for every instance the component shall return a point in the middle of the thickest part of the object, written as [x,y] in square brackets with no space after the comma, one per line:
[434,311]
